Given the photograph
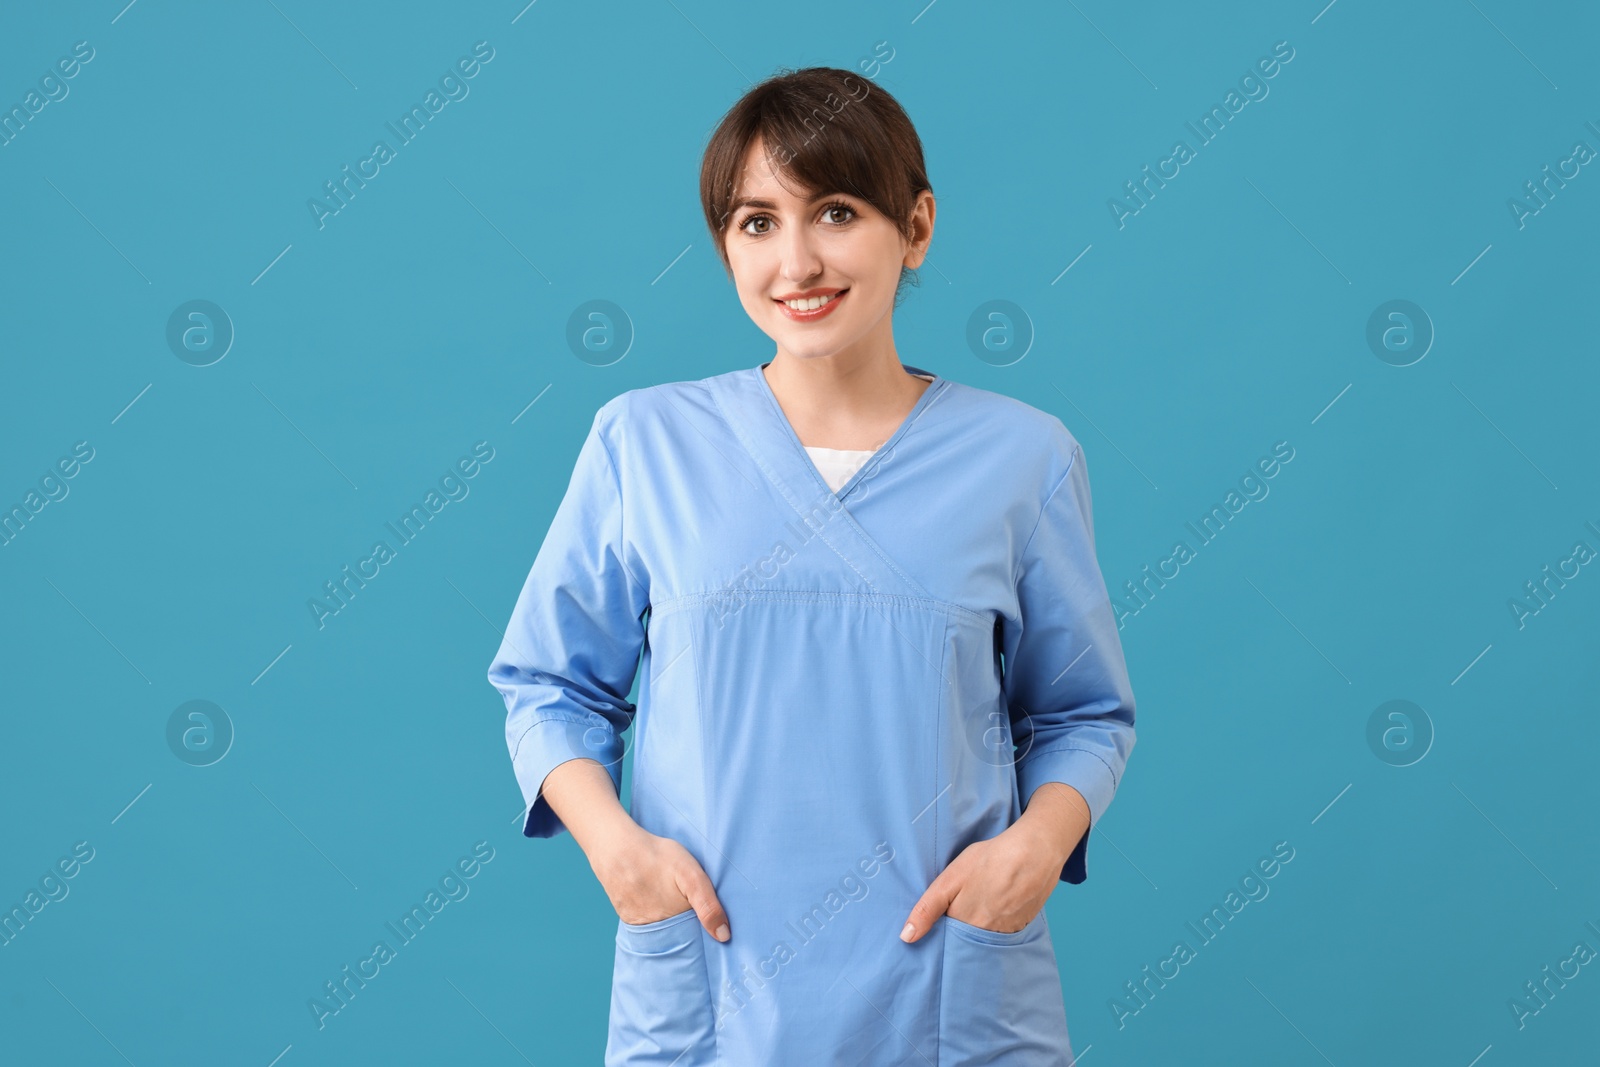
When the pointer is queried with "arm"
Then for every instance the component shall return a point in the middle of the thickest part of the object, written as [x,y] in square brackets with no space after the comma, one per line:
[565,667]
[1071,711]
[1066,682]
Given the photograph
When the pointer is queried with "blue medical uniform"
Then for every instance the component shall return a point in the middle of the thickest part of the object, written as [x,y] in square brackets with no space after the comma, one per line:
[825,719]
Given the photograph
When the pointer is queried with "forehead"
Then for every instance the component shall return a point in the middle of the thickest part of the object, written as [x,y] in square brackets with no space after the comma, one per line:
[761,175]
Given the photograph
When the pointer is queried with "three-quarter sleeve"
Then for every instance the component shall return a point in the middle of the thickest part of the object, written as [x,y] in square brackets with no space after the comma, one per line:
[1066,683]
[571,650]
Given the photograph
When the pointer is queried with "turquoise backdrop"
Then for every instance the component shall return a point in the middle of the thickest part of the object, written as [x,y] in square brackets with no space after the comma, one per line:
[1378,260]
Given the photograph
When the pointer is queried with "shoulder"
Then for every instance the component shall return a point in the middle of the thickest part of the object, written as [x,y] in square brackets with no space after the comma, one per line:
[643,412]
[1016,429]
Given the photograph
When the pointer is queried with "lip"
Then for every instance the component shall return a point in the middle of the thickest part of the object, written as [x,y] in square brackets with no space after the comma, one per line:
[812,316]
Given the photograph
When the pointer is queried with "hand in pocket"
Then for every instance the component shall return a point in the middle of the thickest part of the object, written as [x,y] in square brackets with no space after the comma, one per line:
[649,878]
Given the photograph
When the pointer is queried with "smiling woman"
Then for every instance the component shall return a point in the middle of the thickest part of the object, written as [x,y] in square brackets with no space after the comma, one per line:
[932,663]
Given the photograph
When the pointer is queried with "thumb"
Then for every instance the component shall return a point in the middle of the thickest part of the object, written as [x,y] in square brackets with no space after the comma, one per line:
[702,897]
[934,902]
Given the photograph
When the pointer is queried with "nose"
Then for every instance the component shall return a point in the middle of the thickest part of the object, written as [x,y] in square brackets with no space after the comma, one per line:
[800,260]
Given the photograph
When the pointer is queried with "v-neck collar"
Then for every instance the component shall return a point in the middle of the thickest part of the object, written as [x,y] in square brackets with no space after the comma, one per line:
[937,385]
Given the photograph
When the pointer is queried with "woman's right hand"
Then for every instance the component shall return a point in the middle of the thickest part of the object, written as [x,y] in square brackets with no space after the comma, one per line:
[649,877]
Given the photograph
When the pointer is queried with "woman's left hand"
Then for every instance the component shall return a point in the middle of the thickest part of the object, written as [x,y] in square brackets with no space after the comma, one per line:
[1002,883]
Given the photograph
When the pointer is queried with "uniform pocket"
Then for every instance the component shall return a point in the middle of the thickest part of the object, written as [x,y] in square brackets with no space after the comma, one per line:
[661,1011]
[1001,1001]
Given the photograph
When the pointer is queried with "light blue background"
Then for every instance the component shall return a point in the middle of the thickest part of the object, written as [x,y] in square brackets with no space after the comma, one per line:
[1229,314]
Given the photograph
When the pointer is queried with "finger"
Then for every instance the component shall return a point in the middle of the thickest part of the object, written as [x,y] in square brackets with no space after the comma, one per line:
[696,886]
[934,902]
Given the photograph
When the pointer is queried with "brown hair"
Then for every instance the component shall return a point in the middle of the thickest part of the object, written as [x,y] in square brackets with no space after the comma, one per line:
[827,130]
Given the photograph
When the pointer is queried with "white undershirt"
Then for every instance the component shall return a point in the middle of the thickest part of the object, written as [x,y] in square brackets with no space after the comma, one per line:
[839,465]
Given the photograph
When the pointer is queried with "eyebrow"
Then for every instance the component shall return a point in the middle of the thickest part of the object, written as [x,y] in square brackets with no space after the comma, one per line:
[746,201]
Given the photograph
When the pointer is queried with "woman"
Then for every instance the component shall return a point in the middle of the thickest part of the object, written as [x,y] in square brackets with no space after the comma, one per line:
[882,693]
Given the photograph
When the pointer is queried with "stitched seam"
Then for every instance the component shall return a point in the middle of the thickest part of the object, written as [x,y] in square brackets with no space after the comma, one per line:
[1078,748]
[616,477]
[1023,555]
[686,600]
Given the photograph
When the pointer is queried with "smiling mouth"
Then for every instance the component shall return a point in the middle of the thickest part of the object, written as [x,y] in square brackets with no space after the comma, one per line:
[811,308]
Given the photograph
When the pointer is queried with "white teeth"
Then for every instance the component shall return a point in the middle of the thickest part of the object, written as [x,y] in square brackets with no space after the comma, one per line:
[811,304]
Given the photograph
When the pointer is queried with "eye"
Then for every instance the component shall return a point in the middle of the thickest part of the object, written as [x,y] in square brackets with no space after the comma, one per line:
[745,225]
[839,205]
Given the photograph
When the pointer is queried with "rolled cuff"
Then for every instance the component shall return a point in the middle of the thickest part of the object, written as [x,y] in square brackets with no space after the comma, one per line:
[546,745]
[1085,771]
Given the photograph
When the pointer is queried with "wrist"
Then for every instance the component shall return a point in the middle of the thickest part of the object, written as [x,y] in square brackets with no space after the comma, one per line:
[1055,820]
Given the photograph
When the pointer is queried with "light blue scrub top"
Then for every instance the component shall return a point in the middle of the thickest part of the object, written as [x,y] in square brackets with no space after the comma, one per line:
[824,717]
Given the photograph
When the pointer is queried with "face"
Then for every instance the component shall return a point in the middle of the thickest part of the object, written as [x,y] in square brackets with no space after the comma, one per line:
[801,245]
